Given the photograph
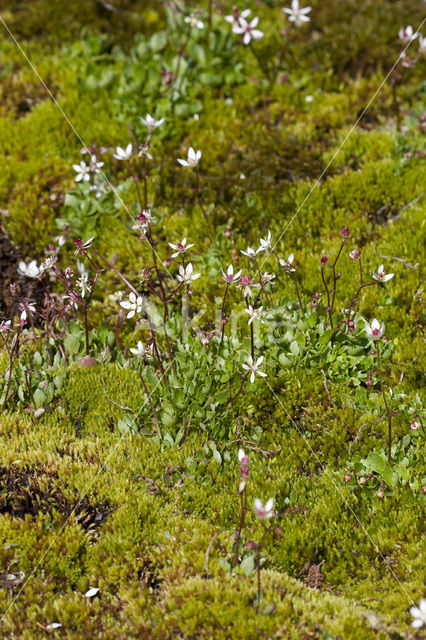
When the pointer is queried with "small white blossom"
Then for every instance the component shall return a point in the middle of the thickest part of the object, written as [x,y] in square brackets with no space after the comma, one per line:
[266,243]
[186,274]
[142,351]
[288,264]
[144,221]
[261,511]
[380,276]
[297,14]
[406,34]
[253,367]
[83,246]
[419,615]
[95,166]
[30,270]
[180,247]
[151,123]
[193,21]
[26,308]
[267,277]
[250,253]
[255,314]
[248,29]
[5,325]
[48,263]
[53,625]
[374,331]
[234,19]
[61,240]
[230,276]
[91,592]
[192,160]
[132,305]
[83,172]
[124,154]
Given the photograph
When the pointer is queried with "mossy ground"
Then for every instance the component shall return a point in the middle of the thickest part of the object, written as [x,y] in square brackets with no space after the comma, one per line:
[263,150]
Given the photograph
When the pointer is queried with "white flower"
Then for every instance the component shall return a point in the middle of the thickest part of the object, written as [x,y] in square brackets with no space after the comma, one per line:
[288,264]
[419,615]
[123,154]
[192,160]
[193,21]
[374,331]
[30,270]
[230,276]
[48,263]
[83,283]
[142,351]
[248,29]
[266,243]
[250,253]
[422,44]
[151,123]
[406,34]
[83,246]
[186,274]
[133,304]
[267,277]
[380,276]
[91,592]
[253,367]
[95,165]
[297,14]
[53,625]
[61,240]
[26,309]
[83,172]
[5,325]
[234,19]
[180,247]
[144,221]
[255,314]
[263,512]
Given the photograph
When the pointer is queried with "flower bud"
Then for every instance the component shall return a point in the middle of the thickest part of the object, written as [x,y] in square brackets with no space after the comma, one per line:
[380,494]
[363,480]
[414,425]
[347,477]
[355,254]
[344,233]
[323,261]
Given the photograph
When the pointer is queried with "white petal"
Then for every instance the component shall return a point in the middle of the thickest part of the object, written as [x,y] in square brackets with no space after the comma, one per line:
[191,154]
[241,454]
[247,37]
[91,592]
[254,22]
[417,624]
[269,504]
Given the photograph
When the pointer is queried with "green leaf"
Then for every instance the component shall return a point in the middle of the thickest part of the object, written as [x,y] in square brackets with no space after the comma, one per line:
[377,462]
[158,41]
[39,398]
[294,348]
[247,566]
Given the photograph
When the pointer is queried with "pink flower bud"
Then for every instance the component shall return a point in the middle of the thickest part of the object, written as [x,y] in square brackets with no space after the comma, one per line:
[423,489]
[380,494]
[345,232]
[363,480]
[347,477]
[323,261]
[414,425]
